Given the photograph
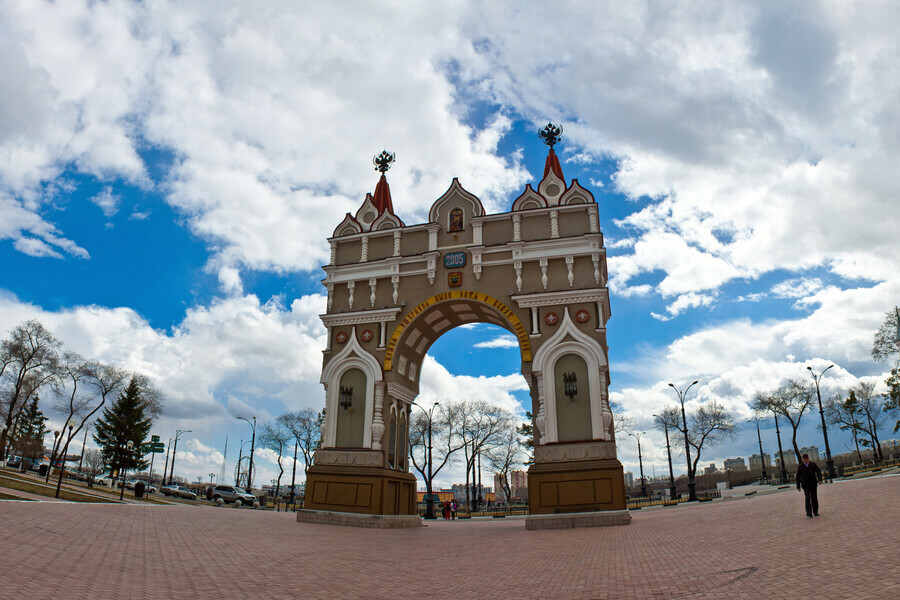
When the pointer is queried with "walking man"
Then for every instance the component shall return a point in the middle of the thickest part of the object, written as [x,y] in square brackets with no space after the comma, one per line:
[808,477]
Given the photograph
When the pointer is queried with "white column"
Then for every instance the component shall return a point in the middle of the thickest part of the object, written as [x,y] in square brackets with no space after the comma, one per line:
[377,421]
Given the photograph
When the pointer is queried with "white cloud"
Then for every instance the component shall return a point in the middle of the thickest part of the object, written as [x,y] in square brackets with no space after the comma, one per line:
[504,341]
[107,201]
[797,288]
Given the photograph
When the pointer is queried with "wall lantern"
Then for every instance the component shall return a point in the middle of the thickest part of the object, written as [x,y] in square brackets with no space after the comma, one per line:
[346,400]
[570,385]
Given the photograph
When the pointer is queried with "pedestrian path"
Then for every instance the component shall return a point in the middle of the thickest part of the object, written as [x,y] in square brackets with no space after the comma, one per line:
[754,549]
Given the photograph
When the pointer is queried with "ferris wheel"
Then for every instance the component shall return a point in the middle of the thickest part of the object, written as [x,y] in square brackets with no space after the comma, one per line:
[241,472]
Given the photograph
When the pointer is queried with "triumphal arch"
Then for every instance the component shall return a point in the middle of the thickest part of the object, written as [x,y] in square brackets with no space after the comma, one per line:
[538,271]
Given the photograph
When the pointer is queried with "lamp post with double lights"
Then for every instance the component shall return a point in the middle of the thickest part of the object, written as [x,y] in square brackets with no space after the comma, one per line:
[252,448]
[673,492]
[429,498]
[178,433]
[637,436]
[828,460]
[129,447]
[692,485]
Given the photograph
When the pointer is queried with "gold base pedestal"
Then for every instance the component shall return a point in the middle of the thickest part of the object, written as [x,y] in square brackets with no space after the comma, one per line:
[584,486]
[360,490]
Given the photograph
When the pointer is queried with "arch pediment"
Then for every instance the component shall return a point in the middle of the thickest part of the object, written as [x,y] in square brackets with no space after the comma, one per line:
[348,226]
[529,199]
[456,196]
[576,195]
[387,220]
[551,188]
[367,213]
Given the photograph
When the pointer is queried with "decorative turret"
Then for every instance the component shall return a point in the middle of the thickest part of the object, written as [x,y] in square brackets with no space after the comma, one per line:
[551,134]
[553,184]
[382,200]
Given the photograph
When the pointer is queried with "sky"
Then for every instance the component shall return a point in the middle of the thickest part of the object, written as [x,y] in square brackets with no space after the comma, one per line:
[170,171]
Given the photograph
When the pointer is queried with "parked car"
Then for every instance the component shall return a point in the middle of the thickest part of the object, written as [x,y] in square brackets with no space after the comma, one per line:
[148,489]
[178,490]
[230,493]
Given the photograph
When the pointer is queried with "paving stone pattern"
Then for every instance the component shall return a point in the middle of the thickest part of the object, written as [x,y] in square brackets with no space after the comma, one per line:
[759,547]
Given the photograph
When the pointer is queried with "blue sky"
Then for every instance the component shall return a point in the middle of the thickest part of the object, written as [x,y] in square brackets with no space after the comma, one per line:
[168,181]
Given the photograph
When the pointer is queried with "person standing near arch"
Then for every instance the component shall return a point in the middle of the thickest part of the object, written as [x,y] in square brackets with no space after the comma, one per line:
[808,478]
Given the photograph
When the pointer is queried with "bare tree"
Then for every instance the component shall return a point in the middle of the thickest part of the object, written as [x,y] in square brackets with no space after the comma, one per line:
[872,408]
[505,455]
[93,464]
[305,426]
[481,423]
[621,423]
[83,387]
[884,343]
[276,437]
[790,400]
[708,425]
[445,440]
[845,414]
[29,359]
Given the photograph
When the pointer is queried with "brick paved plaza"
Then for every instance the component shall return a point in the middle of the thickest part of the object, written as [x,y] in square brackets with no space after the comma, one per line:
[759,547]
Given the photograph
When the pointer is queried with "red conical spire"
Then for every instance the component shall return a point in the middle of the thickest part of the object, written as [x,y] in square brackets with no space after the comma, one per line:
[552,164]
[382,199]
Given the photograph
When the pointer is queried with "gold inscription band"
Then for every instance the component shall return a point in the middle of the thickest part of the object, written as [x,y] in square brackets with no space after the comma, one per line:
[509,315]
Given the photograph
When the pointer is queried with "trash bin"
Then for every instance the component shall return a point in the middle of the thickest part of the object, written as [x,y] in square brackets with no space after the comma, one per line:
[42,470]
[139,489]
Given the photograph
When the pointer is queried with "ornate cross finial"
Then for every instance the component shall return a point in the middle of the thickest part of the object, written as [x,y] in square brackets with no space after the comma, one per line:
[551,134]
[383,161]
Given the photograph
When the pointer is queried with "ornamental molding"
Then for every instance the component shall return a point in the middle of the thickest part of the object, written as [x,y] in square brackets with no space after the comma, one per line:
[574,452]
[540,299]
[401,392]
[348,458]
[362,317]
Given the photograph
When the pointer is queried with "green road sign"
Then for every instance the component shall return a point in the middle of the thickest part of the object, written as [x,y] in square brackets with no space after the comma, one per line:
[154,438]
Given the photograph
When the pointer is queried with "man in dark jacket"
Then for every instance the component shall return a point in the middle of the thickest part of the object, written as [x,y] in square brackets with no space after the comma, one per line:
[808,478]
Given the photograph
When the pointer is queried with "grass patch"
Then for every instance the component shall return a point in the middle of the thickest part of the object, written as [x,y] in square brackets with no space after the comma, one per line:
[47,490]
[11,497]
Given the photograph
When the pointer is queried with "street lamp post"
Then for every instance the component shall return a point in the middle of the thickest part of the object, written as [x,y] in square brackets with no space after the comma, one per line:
[673,492]
[252,447]
[762,457]
[429,498]
[178,433]
[728,472]
[129,446]
[637,436]
[780,451]
[692,485]
[829,460]
[56,440]
[70,424]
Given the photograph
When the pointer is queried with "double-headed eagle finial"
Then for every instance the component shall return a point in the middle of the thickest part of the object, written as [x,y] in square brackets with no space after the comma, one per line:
[383,161]
[551,134]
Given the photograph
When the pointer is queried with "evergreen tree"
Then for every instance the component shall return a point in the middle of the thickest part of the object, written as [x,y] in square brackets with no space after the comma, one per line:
[128,419]
[28,437]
